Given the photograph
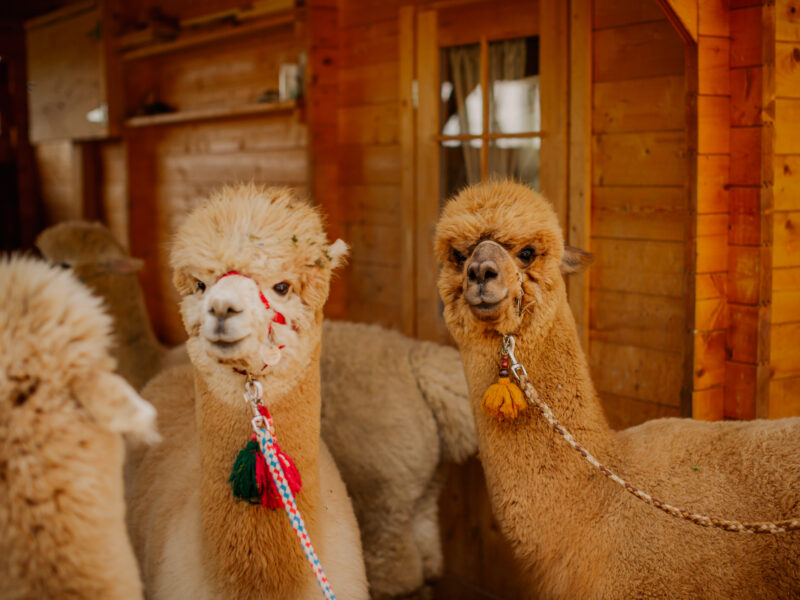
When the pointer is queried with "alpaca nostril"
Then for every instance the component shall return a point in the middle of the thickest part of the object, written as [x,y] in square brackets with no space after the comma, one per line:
[489,273]
[472,273]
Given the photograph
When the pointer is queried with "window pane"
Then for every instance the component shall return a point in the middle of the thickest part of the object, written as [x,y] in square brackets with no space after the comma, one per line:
[462,104]
[514,76]
[517,158]
[460,165]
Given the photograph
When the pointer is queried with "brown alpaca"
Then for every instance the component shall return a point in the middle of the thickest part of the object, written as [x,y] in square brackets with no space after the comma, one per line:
[62,413]
[96,257]
[577,534]
[193,538]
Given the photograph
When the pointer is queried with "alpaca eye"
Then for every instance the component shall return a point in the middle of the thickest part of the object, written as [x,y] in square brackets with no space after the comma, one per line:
[65,265]
[457,257]
[201,286]
[526,254]
[281,288]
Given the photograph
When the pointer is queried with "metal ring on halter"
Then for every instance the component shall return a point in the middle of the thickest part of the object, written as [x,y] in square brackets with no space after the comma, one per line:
[508,348]
[253,390]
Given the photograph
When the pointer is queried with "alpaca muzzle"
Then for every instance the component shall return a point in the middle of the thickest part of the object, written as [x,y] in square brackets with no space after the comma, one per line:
[485,288]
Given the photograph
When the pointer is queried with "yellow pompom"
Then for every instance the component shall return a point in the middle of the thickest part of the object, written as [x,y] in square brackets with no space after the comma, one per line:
[504,400]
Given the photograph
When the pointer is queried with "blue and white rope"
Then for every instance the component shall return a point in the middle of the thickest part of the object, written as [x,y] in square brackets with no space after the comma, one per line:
[263,430]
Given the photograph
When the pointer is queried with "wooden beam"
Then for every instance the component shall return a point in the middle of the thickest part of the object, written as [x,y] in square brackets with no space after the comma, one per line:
[408,284]
[683,16]
[580,161]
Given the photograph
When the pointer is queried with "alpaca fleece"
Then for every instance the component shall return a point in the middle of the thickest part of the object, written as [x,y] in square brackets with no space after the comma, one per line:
[394,409]
[62,513]
[578,534]
[209,545]
[100,261]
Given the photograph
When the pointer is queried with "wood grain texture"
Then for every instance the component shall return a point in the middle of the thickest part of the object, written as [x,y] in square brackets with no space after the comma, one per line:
[635,51]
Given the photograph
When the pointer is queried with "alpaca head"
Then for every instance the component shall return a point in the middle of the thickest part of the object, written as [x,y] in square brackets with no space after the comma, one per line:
[502,254]
[54,340]
[90,249]
[253,266]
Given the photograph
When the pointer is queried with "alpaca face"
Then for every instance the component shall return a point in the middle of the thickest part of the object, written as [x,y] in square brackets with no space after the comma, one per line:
[253,266]
[502,254]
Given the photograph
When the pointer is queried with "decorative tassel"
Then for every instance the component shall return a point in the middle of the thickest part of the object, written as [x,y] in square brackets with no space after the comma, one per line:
[504,400]
[250,477]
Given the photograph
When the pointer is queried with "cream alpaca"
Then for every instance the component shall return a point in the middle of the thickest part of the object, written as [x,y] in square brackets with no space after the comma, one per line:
[62,512]
[577,533]
[100,261]
[207,544]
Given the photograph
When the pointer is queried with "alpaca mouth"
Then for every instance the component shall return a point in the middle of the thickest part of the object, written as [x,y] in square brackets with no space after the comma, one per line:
[486,310]
[227,346]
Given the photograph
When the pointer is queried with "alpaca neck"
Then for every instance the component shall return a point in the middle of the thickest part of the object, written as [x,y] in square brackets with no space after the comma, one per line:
[252,548]
[535,478]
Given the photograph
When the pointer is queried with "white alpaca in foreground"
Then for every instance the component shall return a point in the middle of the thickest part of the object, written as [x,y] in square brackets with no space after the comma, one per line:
[253,266]
[62,413]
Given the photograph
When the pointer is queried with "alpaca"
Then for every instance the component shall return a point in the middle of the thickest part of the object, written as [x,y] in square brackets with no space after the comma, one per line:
[393,410]
[360,401]
[100,261]
[576,533]
[62,413]
[253,267]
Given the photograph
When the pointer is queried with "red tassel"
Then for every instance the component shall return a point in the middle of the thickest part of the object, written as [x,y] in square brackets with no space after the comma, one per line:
[270,497]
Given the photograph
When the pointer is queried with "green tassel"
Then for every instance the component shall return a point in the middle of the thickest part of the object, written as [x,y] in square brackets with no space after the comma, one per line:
[243,476]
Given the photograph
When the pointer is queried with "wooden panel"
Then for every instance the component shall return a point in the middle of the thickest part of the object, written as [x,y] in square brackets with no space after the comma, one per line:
[708,405]
[373,42]
[712,183]
[373,83]
[54,165]
[65,76]
[639,213]
[655,103]
[787,22]
[746,96]
[745,156]
[370,164]
[381,202]
[645,50]
[709,356]
[714,18]
[636,320]
[787,126]
[713,65]
[465,23]
[745,217]
[624,412]
[579,202]
[786,239]
[614,13]
[787,70]
[743,333]
[740,391]
[784,357]
[373,124]
[656,159]
[639,373]
[746,37]
[784,398]
[743,274]
[645,267]
[711,243]
[786,295]
[375,244]
[713,115]
[114,193]
[786,188]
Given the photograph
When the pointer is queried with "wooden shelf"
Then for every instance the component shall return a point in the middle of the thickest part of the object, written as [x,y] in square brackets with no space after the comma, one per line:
[191,40]
[208,114]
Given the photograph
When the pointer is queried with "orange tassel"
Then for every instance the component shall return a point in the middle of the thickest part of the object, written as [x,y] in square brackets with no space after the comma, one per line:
[504,400]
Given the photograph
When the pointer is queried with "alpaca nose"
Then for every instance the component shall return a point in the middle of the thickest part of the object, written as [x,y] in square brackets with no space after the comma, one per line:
[223,306]
[481,272]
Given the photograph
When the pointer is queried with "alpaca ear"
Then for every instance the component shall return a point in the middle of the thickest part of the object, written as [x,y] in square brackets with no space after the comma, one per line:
[575,260]
[124,265]
[338,252]
[115,405]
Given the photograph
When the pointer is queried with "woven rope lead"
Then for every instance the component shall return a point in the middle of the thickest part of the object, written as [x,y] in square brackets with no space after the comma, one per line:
[680,513]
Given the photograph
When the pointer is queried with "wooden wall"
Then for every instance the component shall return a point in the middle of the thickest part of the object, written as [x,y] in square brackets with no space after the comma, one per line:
[639,211]
[369,158]
[784,386]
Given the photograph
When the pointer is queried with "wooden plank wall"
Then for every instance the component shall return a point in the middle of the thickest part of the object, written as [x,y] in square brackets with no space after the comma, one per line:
[784,386]
[639,211]
[369,158]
